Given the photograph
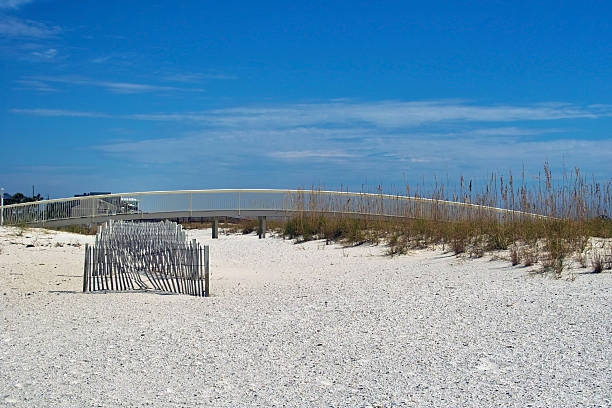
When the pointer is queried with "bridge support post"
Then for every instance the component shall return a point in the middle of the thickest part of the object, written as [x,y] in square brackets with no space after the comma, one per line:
[261,227]
[215,228]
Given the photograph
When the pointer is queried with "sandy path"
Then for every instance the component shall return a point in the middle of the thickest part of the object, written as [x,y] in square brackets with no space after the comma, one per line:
[302,325]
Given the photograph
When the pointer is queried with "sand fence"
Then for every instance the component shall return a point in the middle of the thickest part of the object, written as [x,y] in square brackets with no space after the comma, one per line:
[146,256]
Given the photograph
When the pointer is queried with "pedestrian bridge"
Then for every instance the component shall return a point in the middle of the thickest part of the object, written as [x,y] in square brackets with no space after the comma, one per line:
[182,204]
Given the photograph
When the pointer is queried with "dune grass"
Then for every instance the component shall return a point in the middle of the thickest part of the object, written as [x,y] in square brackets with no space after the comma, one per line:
[572,209]
[549,242]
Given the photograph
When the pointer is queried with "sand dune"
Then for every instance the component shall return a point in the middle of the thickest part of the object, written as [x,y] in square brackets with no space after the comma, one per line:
[302,325]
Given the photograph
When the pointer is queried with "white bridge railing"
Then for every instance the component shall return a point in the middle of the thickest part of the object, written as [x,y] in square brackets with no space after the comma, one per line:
[241,203]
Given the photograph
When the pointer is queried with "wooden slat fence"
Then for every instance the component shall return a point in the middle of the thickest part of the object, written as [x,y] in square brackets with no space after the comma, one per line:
[147,255]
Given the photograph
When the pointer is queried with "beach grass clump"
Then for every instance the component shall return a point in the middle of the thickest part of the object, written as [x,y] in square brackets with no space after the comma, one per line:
[529,255]
[514,255]
[306,227]
[249,227]
[599,263]
[399,244]
[21,228]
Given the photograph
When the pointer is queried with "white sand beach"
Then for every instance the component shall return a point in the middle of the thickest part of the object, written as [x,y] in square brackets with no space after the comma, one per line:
[302,325]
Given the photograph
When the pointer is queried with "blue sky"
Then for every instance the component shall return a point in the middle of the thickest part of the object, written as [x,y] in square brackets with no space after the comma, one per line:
[130,96]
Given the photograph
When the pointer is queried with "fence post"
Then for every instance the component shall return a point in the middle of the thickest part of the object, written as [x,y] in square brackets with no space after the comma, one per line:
[261,228]
[86,268]
[206,270]
[1,206]
[215,228]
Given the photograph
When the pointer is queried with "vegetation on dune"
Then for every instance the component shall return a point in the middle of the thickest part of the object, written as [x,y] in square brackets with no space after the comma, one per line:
[548,241]
[572,211]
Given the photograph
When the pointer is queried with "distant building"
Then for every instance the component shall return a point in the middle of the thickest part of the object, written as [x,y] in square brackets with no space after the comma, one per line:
[129,205]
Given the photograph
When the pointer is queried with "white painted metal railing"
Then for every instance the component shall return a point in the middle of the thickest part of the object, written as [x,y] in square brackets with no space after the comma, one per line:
[242,203]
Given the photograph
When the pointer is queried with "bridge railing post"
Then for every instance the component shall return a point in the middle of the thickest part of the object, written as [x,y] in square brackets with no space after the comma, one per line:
[215,228]
[261,227]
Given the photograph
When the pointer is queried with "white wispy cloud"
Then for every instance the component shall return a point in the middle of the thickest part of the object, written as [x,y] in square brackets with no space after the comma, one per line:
[48,54]
[128,87]
[310,155]
[512,131]
[123,59]
[191,77]
[169,117]
[40,85]
[60,113]
[102,59]
[381,114]
[392,114]
[35,85]
[219,75]
[13,4]
[112,86]
[11,26]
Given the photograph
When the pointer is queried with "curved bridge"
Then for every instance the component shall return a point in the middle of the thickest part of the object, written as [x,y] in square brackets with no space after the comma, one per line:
[153,205]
